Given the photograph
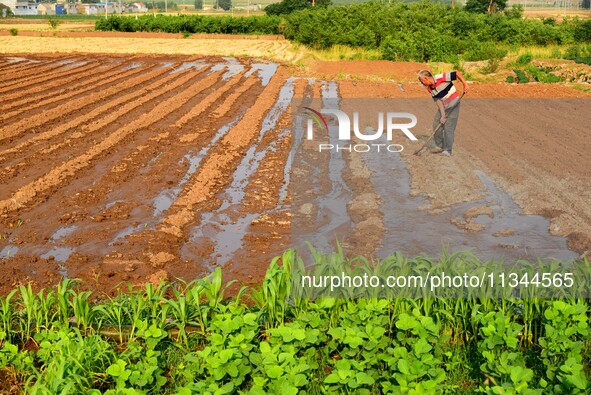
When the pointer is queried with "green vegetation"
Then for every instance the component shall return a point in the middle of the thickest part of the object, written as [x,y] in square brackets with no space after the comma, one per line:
[53,23]
[188,338]
[524,59]
[485,6]
[192,24]
[426,31]
[14,31]
[579,53]
[542,75]
[521,77]
[289,6]
[422,31]
[225,5]
[66,17]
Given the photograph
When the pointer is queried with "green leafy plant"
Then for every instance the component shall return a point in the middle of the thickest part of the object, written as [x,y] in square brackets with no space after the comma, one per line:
[521,76]
[505,365]
[566,325]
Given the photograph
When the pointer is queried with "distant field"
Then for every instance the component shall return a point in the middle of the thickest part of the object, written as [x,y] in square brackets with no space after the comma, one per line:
[40,26]
[557,13]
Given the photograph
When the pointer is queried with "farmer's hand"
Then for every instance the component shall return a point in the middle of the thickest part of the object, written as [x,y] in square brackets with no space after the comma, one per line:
[443,119]
[466,88]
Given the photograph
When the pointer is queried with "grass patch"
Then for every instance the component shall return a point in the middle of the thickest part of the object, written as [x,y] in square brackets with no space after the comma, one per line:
[339,52]
[522,78]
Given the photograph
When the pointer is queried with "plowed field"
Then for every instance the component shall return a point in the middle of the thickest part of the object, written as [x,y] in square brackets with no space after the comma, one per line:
[108,164]
[136,168]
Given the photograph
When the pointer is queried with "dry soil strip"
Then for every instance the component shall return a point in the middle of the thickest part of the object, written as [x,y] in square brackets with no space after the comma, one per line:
[94,83]
[227,104]
[219,112]
[31,70]
[214,168]
[70,106]
[127,169]
[59,174]
[46,91]
[121,106]
[210,99]
[47,76]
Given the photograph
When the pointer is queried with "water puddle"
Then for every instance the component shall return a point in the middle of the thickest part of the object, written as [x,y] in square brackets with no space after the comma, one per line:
[233,66]
[265,71]
[197,65]
[149,165]
[226,233]
[63,232]
[71,63]
[321,217]
[129,231]
[167,197]
[60,254]
[111,204]
[8,252]
[58,251]
[14,59]
[506,233]
[166,65]
[133,65]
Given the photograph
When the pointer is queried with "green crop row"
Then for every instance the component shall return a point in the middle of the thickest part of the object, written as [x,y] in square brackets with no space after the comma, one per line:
[192,24]
[187,338]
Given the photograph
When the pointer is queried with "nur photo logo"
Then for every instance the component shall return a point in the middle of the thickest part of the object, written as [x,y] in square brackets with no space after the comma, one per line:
[389,125]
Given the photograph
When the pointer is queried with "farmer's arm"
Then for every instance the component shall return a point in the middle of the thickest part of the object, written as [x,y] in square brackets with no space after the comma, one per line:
[460,77]
[441,110]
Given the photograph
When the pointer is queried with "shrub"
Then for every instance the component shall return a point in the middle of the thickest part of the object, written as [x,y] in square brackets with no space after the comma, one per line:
[521,77]
[510,79]
[14,32]
[516,12]
[484,51]
[542,75]
[524,59]
[54,23]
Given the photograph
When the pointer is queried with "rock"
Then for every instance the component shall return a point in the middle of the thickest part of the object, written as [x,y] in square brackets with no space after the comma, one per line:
[306,209]
[161,258]
[156,278]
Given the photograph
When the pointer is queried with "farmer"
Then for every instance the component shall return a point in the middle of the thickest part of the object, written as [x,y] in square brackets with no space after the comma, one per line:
[446,97]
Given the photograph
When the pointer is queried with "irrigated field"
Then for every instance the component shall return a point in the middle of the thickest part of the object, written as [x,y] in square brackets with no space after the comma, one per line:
[116,168]
[108,164]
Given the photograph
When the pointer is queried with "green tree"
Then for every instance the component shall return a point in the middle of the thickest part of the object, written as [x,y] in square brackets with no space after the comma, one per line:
[485,6]
[586,4]
[224,4]
[289,6]
[198,4]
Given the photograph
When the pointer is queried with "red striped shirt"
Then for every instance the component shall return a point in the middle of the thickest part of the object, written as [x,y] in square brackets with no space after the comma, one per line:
[444,89]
